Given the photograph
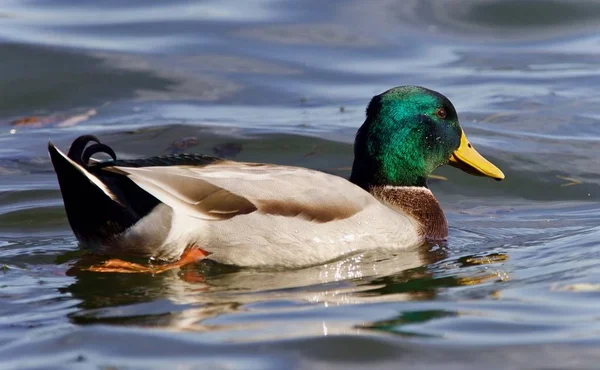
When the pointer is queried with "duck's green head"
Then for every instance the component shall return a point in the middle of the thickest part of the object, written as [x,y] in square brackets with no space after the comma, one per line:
[409,132]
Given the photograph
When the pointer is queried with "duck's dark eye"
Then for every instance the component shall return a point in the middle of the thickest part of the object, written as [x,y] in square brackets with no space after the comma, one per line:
[441,112]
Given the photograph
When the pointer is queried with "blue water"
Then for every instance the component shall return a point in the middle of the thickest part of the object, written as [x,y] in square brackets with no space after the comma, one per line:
[287,82]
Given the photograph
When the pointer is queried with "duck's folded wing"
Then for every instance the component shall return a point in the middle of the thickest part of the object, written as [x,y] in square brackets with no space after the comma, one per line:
[228,189]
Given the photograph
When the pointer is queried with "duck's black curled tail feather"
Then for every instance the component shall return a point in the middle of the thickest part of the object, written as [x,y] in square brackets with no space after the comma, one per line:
[100,205]
[78,146]
[81,155]
[97,148]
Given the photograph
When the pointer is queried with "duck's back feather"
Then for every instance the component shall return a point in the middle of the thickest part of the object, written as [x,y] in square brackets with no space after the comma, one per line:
[225,189]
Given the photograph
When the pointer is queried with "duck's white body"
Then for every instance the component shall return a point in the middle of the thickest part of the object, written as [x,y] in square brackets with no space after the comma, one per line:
[341,218]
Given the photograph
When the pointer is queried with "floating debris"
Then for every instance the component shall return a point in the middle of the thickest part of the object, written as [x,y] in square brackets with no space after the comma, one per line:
[75,120]
[571,180]
[61,120]
[27,121]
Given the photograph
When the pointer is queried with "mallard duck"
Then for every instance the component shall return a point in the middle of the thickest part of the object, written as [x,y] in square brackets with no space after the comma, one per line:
[182,208]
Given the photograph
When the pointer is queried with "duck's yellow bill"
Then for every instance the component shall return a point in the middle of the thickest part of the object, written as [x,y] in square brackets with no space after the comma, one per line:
[469,160]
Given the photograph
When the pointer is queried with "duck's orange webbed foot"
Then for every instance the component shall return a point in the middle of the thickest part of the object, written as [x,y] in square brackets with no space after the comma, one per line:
[190,255]
[117,265]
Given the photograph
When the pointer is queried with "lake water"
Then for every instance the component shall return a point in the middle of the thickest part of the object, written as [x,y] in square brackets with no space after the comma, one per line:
[287,82]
